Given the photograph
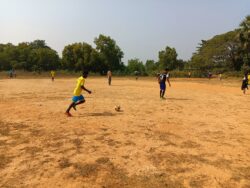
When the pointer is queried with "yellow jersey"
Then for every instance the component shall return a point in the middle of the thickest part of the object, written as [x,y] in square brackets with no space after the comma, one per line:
[78,89]
[52,73]
[249,78]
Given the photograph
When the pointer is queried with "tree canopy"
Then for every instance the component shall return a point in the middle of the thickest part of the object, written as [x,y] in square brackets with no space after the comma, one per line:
[168,58]
[226,52]
[110,53]
[33,56]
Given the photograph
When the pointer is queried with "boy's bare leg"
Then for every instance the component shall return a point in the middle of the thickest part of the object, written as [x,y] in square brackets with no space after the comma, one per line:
[70,106]
[80,102]
[163,93]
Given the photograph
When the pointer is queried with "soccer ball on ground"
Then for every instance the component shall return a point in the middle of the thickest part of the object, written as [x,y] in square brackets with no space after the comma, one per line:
[117,108]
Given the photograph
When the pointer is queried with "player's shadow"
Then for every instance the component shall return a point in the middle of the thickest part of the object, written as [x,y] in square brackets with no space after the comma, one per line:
[101,114]
[178,99]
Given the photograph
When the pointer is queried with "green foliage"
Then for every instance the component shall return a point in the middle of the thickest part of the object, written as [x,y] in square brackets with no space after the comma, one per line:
[216,53]
[106,56]
[135,66]
[184,74]
[77,56]
[244,38]
[225,52]
[180,64]
[109,52]
[151,67]
[168,58]
[34,56]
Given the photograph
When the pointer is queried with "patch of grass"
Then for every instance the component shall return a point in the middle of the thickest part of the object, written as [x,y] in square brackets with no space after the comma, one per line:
[177,170]
[99,138]
[4,129]
[77,142]
[56,144]
[111,142]
[241,173]
[2,142]
[106,134]
[119,178]
[130,143]
[4,161]
[170,159]
[19,139]
[198,181]
[113,176]
[33,150]
[189,144]
[86,170]
[126,157]
[36,132]
[104,129]
[221,163]
[64,163]
[166,137]
[19,126]
[102,160]
[229,184]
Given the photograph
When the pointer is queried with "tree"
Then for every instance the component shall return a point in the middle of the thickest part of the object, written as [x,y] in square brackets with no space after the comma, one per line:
[77,56]
[5,56]
[43,59]
[150,67]
[168,58]
[110,53]
[97,65]
[135,65]
[225,52]
[38,44]
[244,38]
[218,53]
[181,64]
[28,56]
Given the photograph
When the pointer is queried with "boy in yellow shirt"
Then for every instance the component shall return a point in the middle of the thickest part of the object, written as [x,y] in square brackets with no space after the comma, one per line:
[52,73]
[78,98]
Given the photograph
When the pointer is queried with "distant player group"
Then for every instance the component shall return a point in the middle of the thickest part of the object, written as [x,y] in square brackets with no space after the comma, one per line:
[163,77]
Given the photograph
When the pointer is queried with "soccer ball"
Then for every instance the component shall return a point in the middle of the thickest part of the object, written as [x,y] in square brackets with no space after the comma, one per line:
[117,108]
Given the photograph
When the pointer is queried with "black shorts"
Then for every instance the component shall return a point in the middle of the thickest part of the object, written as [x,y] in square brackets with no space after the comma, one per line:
[244,85]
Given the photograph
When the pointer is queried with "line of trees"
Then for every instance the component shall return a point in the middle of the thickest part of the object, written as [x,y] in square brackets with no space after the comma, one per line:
[225,52]
[33,56]
[107,55]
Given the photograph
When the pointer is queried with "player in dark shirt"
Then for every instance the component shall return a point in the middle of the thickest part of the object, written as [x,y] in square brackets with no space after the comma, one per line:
[244,85]
[162,82]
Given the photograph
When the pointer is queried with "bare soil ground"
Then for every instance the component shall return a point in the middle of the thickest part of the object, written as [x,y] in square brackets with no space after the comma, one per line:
[198,137]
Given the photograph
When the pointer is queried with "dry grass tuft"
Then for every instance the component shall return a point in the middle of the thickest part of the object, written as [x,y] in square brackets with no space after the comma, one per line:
[4,161]
[86,170]
[64,163]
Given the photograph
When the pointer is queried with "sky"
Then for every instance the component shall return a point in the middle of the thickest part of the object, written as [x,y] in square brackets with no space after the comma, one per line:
[141,28]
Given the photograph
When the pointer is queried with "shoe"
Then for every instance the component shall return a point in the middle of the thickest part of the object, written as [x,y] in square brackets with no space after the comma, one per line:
[68,114]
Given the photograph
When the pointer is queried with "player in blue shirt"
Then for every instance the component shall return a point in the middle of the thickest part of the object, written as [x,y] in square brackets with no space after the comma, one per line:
[162,81]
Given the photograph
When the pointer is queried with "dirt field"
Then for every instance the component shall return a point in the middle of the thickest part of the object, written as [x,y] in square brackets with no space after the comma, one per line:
[198,137]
